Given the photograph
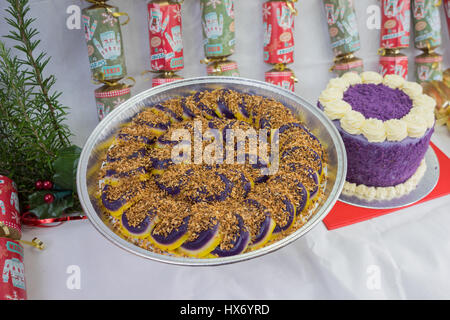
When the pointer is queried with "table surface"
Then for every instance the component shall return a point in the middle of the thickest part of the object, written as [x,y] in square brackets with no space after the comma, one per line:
[402,255]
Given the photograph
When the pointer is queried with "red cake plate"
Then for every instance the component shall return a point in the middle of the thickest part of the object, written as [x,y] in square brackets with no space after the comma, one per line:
[344,214]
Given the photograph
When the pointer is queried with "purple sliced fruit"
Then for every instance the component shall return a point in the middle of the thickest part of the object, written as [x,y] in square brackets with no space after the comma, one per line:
[289,208]
[111,172]
[142,229]
[265,228]
[205,195]
[239,143]
[129,137]
[291,125]
[172,240]
[309,152]
[244,113]
[205,242]
[240,244]
[257,163]
[187,112]
[160,164]
[224,111]
[160,127]
[140,153]
[301,191]
[177,187]
[245,183]
[311,174]
[173,116]
[115,207]
[163,142]
[203,107]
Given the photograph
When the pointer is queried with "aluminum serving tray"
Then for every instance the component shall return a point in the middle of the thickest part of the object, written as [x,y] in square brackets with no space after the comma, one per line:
[317,122]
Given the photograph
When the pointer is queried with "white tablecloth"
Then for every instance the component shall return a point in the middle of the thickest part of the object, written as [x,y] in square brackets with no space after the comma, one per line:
[400,255]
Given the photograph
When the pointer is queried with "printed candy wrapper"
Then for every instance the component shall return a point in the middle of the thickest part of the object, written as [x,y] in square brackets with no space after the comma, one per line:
[427,24]
[10,225]
[345,65]
[447,14]
[284,79]
[342,26]
[163,78]
[223,68]
[218,27]
[394,64]
[395,23]
[278,21]
[104,42]
[428,67]
[109,97]
[12,285]
[165,34]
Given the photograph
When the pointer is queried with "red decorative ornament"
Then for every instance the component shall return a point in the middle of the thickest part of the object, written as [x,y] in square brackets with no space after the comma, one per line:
[39,185]
[278,21]
[49,198]
[47,185]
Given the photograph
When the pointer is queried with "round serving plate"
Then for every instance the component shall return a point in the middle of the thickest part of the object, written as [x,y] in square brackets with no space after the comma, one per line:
[94,150]
[425,186]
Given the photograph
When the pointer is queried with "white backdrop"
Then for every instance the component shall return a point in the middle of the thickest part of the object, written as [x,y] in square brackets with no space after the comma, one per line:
[400,255]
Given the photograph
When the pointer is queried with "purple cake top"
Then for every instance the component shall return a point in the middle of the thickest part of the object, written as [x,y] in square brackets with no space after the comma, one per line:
[378,101]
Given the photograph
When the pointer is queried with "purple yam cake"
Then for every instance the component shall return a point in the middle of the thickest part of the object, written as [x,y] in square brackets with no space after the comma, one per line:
[386,125]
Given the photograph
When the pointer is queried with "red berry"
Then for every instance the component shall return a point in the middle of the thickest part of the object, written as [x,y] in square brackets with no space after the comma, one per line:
[49,198]
[39,185]
[47,185]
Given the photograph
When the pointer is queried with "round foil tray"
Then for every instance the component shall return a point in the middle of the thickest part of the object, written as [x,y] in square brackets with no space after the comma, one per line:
[424,188]
[94,150]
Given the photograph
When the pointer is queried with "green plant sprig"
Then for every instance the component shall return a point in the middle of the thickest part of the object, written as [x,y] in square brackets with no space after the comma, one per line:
[33,133]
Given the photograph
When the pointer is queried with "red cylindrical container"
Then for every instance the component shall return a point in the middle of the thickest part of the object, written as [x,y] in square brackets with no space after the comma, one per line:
[395,23]
[394,63]
[278,21]
[164,78]
[12,285]
[223,68]
[165,33]
[10,225]
[348,63]
[285,79]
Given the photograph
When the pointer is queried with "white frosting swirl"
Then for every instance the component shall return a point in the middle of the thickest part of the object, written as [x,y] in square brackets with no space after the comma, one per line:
[351,78]
[424,100]
[371,77]
[393,81]
[381,193]
[349,188]
[400,190]
[337,109]
[424,113]
[352,122]
[330,94]
[412,89]
[390,193]
[338,83]
[396,130]
[416,125]
[373,130]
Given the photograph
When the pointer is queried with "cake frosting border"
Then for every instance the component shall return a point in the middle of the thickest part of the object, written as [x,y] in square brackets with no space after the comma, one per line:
[364,192]
[414,124]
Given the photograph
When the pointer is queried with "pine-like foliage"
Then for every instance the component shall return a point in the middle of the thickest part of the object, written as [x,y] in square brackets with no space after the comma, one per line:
[32,128]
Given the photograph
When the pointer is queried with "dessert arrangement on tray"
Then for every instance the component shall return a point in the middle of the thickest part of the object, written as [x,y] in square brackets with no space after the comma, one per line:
[386,124]
[168,202]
